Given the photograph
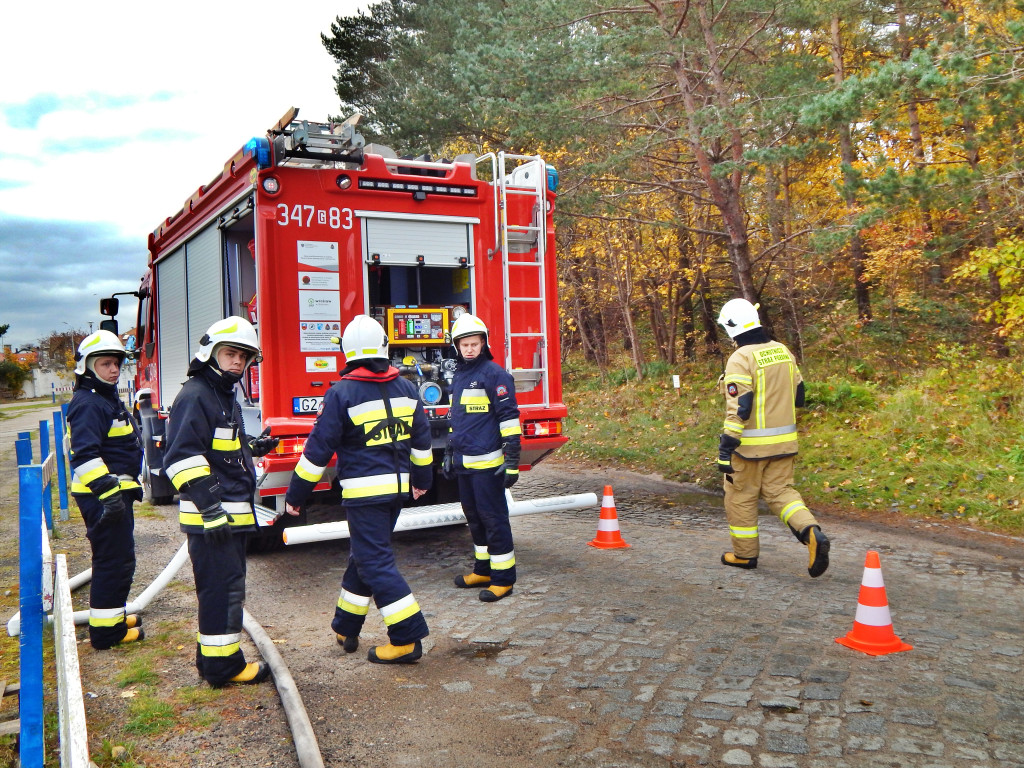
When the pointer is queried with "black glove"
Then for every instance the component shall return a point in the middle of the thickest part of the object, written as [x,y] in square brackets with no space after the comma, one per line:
[216,524]
[264,444]
[448,463]
[511,466]
[726,445]
[113,510]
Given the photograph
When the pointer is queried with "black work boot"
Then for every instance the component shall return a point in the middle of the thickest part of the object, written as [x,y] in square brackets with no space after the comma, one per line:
[350,644]
[738,562]
[818,546]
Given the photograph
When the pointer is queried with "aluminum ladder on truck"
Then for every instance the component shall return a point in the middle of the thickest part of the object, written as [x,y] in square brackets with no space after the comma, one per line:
[529,178]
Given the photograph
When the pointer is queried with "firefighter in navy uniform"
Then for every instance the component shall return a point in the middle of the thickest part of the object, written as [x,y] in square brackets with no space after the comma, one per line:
[373,420]
[106,457]
[483,452]
[208,459]
[757,450]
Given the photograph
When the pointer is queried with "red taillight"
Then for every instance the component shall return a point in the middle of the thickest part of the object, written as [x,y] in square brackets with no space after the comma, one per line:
[290,446]
[542,428]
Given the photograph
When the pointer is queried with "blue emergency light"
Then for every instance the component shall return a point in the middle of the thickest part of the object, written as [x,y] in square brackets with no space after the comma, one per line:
[552,178]
[261,149]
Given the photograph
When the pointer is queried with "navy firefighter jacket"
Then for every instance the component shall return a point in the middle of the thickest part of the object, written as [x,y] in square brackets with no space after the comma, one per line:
[483,414]
[106,446]
[375,464]
[206,437]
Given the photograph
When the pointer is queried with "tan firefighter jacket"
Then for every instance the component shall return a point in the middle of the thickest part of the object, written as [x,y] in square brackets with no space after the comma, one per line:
[760,388]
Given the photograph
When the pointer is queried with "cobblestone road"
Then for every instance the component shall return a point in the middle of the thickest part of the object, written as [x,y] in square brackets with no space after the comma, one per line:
[657,655]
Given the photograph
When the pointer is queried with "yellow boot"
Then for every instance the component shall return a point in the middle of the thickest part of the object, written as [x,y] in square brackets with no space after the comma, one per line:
[395,654]
[133,620]
[738,562]
[493,594]
[133,635]
[252,674]
[472,580]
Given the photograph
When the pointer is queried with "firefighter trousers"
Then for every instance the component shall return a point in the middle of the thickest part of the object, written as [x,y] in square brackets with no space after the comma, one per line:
[372,573]
[750,480]
[219,571]
[113,567]
[483,500]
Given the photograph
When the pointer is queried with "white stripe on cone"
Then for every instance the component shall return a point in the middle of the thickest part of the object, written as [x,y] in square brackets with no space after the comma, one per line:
[873,616]
[872,578]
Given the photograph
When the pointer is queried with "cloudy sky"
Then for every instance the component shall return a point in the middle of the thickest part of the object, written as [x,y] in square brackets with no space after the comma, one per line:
[112,114]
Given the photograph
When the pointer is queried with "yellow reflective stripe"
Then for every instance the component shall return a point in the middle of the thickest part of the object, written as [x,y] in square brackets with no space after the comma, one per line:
[400,610]
[79,488]
[421,458]
[181,478]
[100,471]
[788,510]
[309,471]
[373,485]
[218,651]
[480,553]
[733,427]
[760,397]
[769,440]
[510,427]
[503,562]
[743,532]
[374,490]
[127,485]
[353,603]
[111,492]
[372,410]
[195,519]
[737,378]
[226,445]
[484,460]
[120,430]
[106,617]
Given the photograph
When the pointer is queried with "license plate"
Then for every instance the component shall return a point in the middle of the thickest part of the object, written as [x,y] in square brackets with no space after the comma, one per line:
[306,404]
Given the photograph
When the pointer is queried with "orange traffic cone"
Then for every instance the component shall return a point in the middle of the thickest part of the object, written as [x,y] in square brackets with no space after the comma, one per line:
[608,536]
[872,630]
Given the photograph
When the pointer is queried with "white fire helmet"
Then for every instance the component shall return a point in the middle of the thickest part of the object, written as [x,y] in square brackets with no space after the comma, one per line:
[468,325]
[234,332]
[364,339]
[95,345]
[739,316]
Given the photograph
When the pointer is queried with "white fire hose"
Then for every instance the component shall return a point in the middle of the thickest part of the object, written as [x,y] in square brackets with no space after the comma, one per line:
[414,518]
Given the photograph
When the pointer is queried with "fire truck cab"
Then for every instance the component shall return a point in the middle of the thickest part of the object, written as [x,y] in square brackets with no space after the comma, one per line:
[308,227]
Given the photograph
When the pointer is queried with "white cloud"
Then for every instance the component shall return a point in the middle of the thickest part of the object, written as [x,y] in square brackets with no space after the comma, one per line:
[113,114]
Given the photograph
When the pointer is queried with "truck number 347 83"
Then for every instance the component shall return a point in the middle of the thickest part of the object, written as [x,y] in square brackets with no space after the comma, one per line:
[308,215]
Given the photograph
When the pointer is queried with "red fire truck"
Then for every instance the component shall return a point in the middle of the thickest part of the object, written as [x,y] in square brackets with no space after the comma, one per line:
[308,227]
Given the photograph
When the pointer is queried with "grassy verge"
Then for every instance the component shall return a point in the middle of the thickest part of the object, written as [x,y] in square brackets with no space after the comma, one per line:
[944,441]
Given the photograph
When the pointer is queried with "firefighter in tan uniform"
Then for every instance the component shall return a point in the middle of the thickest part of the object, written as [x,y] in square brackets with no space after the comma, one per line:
[757,450]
